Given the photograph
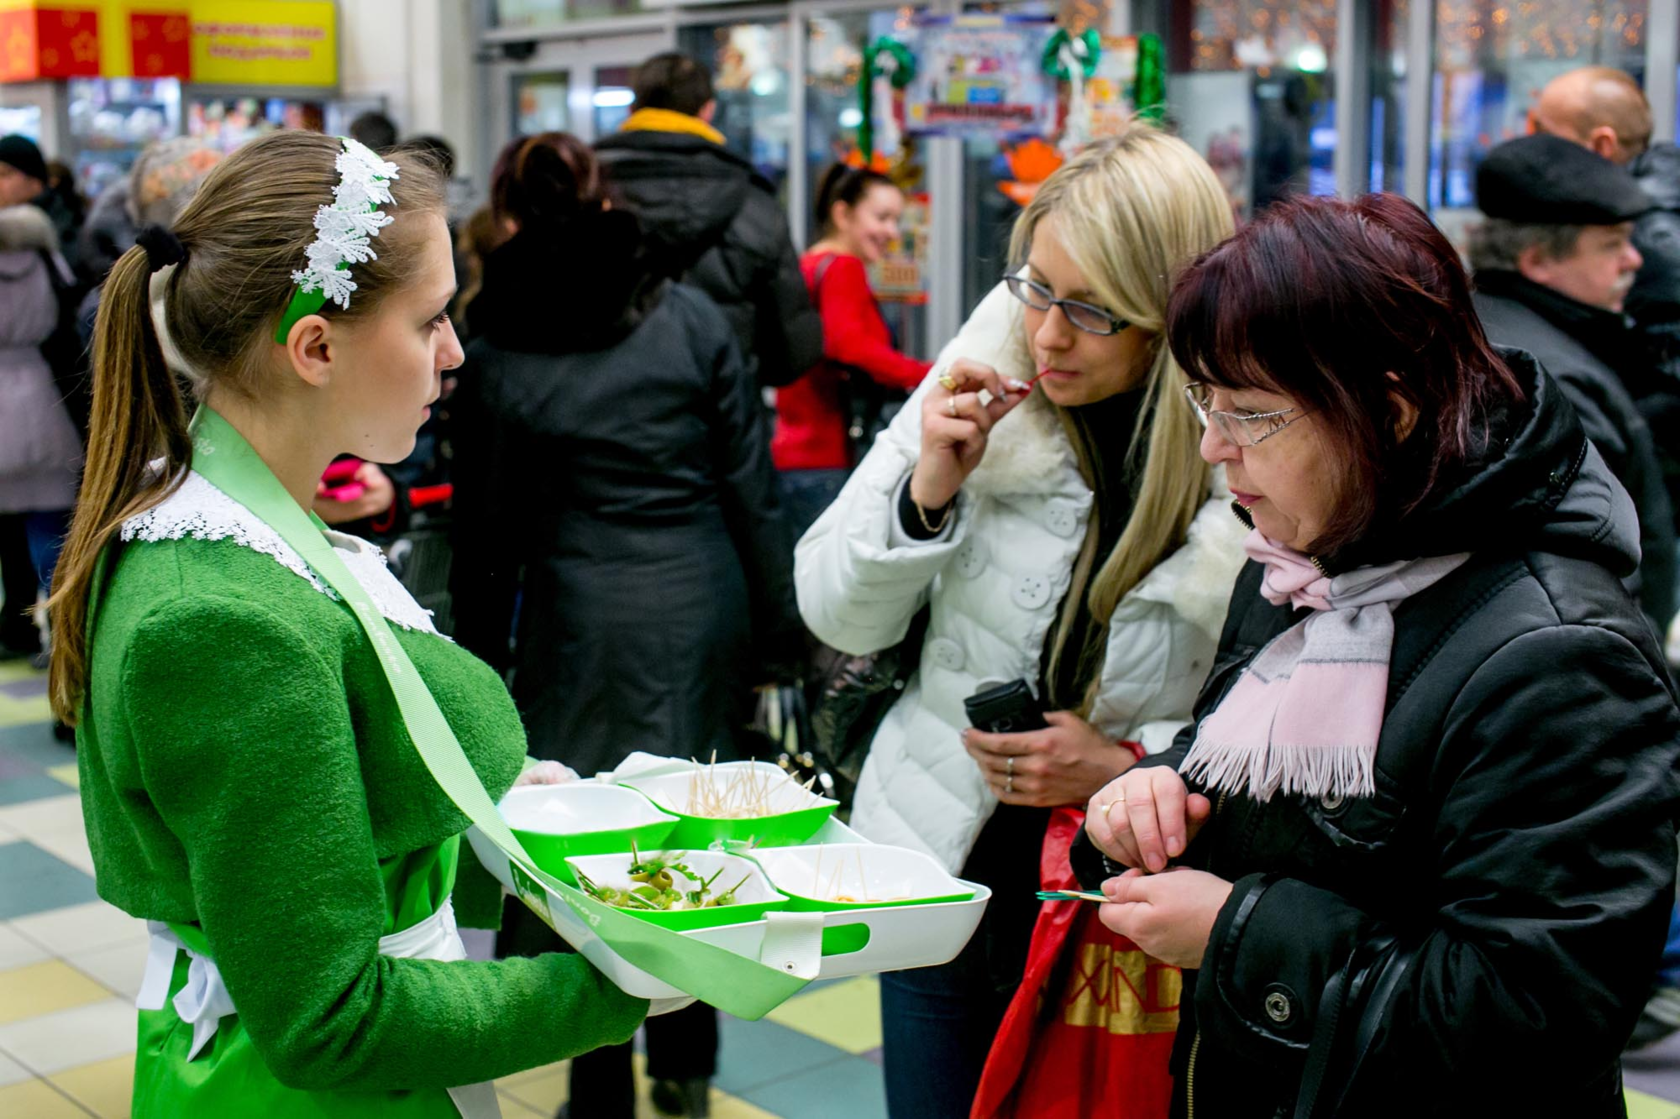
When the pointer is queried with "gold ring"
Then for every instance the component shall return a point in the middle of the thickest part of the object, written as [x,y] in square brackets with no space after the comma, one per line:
[951,406]
[949,382]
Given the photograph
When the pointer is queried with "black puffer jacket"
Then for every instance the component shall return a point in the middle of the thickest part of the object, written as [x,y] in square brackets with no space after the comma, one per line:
[714,222]
[612,477]
[1654,304]
[1501,902]
[1587,350]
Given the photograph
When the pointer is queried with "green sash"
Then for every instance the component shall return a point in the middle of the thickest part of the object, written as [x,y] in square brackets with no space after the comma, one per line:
[743,987]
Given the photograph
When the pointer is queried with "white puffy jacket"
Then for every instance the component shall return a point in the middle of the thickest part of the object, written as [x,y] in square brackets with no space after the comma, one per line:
[996,579]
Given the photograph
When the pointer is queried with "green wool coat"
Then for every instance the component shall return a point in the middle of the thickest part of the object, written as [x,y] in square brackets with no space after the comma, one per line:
[244,767]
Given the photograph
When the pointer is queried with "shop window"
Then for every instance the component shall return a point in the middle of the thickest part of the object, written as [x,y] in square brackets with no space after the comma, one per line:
[612,98]
[540,103]
[749,63]
[1388,95]
[1492,58]
[112,120]
[541,13]
[23,120]
[1251,85]
[834,48]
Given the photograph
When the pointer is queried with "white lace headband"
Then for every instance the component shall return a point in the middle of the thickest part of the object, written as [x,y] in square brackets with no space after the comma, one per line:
[343,233]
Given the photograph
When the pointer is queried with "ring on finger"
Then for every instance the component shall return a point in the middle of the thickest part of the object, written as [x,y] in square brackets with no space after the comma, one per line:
[951,406]
[1010,771]
[1009,784]
[948,382]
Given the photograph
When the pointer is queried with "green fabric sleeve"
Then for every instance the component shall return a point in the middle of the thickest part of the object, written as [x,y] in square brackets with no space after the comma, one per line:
[245,745]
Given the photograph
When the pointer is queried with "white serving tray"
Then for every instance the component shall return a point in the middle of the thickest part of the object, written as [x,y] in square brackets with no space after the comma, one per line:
[904,936]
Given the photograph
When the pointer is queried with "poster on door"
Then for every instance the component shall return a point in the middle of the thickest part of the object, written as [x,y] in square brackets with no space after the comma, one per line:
[981,76]
[901,275]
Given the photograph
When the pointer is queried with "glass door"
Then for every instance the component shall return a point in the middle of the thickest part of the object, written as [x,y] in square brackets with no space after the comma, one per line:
[834,52]
[541,102]
[749,64]
[581,86]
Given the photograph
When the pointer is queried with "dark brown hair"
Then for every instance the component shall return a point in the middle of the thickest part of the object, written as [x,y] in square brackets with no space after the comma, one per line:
[546,179]
[245,231]
[1320,300]
[844,183]
[673,81]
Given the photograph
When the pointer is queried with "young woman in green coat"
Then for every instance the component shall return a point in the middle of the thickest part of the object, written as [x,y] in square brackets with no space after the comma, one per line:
[249,786]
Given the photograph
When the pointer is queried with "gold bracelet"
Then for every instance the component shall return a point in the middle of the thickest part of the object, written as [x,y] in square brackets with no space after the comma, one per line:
[932,528]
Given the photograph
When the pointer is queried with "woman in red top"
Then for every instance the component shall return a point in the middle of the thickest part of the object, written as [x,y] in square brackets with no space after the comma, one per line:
[857,212]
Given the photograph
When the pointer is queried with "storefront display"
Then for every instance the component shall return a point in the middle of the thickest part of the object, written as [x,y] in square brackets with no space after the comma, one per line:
[111,121]
[227,122]
[129,72]
[981,76]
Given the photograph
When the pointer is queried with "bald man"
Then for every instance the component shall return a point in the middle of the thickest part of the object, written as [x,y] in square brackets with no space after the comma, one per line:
[1604,110]
[1598,107]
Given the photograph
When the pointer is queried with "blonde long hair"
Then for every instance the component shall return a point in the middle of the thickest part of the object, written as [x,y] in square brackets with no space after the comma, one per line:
[1132,210]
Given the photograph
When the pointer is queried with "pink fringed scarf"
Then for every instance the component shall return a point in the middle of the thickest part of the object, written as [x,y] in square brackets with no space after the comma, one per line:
[1305,715]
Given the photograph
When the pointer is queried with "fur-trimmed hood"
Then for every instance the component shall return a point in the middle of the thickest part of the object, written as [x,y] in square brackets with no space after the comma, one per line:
[28,228]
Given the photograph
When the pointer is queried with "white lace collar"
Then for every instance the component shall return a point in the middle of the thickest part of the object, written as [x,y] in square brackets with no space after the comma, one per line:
[203,512]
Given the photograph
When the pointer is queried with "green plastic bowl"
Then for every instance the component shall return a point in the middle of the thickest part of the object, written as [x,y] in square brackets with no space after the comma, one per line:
[811,876]
[757,896]
[795,815]
[556,822]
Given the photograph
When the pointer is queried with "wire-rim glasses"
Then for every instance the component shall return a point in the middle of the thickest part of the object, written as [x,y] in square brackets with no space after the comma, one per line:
[1244,429]
[1083,316]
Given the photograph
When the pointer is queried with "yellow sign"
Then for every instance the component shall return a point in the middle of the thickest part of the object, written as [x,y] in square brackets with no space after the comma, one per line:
[243,43]
[280,42]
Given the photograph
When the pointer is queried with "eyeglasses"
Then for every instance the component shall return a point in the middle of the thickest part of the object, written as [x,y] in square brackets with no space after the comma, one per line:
[1092,320]
[1244,429]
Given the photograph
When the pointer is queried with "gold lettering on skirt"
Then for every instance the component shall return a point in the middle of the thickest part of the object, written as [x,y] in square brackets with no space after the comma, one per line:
[1122,992]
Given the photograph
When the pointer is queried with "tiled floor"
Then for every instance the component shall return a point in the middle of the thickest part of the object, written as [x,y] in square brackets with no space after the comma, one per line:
[70,968]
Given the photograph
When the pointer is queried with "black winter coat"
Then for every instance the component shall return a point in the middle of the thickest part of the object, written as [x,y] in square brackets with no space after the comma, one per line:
[714,222]
[1501,903]
[613,477]
[1574,343]
[1654,304]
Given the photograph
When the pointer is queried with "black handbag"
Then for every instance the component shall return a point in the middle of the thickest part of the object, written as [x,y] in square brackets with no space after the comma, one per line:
[856,693]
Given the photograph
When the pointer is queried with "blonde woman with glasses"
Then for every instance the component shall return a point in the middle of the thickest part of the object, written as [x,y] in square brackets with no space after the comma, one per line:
[1043,496]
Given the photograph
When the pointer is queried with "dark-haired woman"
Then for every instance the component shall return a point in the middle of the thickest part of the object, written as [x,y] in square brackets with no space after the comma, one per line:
[610,478]
[858,212]
[1419,843]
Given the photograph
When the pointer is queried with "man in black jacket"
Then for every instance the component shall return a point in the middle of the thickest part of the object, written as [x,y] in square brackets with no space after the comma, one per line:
[710,219]
[1553,264]
[1604,110]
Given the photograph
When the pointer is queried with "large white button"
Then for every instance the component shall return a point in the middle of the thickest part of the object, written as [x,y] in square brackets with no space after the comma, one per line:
[971,559]
[1062,518]
[945,653]
[1031,591]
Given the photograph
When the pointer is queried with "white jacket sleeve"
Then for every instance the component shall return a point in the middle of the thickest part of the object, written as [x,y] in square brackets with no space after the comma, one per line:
[859,584]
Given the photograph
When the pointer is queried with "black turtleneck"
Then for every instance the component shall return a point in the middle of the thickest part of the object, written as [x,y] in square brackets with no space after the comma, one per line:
[1108,424]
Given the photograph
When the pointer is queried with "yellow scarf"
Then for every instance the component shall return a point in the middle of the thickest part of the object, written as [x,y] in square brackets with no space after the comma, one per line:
[667,120]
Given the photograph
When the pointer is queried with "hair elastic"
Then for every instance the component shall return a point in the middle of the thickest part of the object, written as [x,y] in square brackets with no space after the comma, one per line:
[162,247]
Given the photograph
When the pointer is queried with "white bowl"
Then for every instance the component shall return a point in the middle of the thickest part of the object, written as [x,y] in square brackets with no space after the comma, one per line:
[671,791]
[578,807]
[858,874]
